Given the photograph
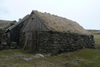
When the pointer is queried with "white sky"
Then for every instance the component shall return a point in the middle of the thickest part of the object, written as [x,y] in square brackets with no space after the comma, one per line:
[84,12]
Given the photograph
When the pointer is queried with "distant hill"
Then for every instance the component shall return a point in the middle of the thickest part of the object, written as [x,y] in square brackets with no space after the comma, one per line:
[94,31]
[4,23]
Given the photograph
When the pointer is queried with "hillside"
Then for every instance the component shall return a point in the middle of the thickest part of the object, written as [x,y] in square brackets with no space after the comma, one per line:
[4,23]
[94,31]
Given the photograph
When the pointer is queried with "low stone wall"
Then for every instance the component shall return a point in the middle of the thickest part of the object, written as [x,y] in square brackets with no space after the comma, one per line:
[56,42]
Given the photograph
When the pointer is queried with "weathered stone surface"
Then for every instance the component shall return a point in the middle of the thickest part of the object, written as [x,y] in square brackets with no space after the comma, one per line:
[56,42]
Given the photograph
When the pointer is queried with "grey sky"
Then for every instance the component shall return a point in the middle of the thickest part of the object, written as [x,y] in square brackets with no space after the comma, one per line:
[84,12]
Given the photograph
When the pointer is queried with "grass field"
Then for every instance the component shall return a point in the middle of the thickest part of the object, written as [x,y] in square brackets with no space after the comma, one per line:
[97,39]
[80,58]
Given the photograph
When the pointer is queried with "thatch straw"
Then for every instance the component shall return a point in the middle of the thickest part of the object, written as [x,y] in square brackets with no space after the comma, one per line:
[60,24]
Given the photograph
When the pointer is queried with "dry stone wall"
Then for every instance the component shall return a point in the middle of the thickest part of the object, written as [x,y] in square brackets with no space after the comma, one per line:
[56,42]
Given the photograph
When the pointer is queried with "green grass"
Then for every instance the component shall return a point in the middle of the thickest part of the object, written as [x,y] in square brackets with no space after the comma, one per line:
[14,58]
[81,58]
[97,39]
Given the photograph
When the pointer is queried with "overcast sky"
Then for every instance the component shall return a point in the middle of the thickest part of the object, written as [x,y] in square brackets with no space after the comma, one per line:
[84,12]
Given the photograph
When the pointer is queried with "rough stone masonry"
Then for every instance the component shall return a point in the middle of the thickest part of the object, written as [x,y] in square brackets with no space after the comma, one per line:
[56,42]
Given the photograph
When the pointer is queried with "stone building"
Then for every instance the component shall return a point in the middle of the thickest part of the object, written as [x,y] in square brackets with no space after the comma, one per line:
[3,25]
[48,33]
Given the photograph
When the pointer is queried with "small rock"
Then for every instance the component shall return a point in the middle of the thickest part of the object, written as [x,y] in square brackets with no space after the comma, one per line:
[60,61]
[47,55]
[78,59]
[67,64]
[86,64]
[27,59]
[39,56]
[18,54]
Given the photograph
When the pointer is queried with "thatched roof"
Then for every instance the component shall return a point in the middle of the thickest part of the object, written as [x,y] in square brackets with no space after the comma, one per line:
[60,24]
[4,23]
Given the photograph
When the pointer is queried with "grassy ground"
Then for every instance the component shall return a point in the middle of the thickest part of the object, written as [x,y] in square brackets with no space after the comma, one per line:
[97,39]
[80,58]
